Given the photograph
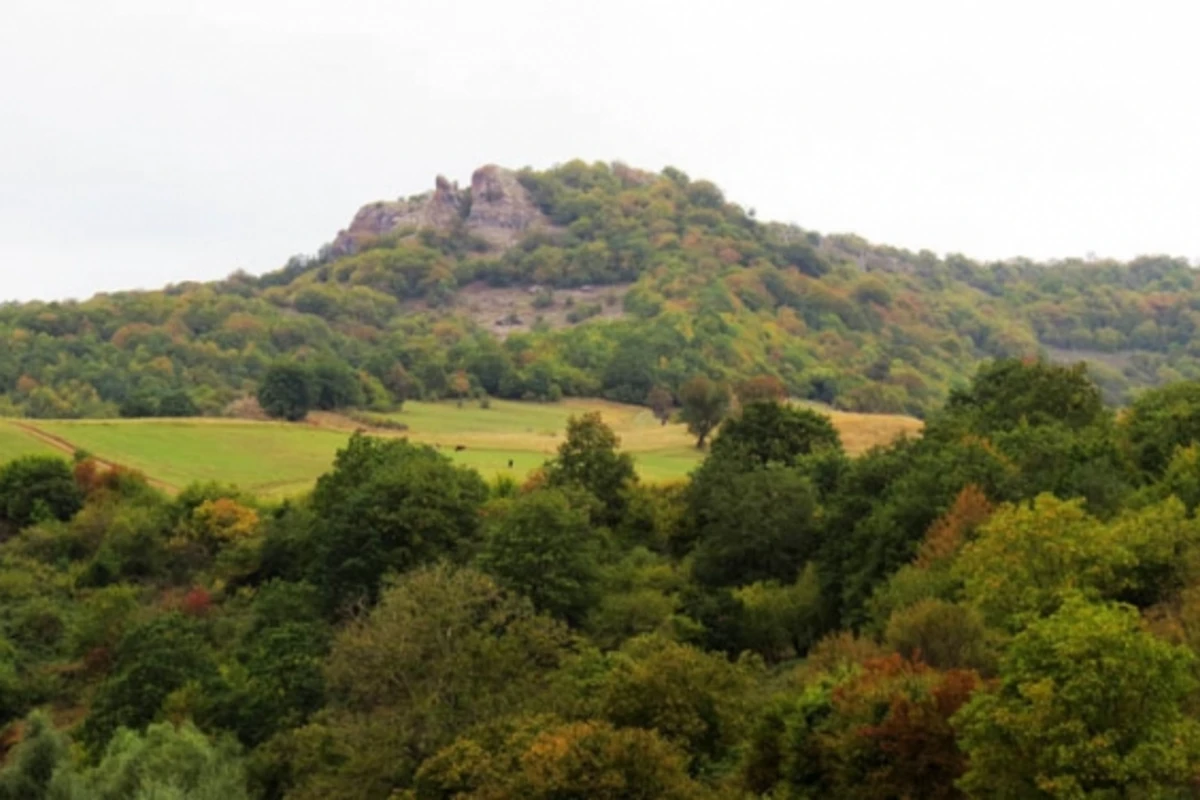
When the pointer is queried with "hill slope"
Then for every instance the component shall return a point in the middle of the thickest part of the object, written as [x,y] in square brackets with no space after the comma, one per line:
[667,280]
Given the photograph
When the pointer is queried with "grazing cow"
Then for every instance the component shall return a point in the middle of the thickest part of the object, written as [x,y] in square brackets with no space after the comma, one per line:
[458,448]
[510,463]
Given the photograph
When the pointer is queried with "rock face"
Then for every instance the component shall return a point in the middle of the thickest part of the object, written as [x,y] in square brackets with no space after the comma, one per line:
[497,209]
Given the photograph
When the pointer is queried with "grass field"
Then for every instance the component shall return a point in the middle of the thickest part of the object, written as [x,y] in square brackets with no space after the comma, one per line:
[16,442]
[278,459]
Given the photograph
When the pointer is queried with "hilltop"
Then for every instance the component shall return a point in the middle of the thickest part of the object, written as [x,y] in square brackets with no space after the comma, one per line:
[599,280]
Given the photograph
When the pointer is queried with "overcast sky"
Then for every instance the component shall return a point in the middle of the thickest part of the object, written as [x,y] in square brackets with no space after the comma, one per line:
[149,141]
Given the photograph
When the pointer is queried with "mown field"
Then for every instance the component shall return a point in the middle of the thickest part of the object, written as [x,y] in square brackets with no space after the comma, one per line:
[279,459]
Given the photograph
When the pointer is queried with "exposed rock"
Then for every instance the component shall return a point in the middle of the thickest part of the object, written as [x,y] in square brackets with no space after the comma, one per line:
[501,209]
[498,209]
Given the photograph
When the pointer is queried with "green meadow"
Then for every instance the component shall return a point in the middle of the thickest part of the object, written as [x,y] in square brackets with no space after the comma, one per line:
[277,459]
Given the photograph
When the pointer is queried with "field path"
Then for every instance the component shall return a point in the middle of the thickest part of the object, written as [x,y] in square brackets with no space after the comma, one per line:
[61,444]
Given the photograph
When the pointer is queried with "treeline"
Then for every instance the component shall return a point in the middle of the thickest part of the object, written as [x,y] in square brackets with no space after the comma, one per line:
[1005,606]
[714,291]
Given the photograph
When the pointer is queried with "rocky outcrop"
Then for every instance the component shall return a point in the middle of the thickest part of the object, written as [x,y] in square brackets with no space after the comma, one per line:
[501,209]
[497,209]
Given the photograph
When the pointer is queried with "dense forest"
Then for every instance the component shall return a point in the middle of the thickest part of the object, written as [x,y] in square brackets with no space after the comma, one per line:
[705,288]
[1007,606]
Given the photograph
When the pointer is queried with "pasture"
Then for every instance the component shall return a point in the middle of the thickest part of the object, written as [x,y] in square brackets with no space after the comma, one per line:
[275,459]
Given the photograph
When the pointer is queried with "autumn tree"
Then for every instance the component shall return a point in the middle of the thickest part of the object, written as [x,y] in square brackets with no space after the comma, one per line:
[761,389]
[542,758]
[878,729]
[705,403]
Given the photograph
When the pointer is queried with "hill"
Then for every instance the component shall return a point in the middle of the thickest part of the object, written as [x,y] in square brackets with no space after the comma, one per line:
[598,280]
[277,459]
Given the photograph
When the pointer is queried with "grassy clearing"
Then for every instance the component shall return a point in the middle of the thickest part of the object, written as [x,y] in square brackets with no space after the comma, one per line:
[16,442]
[272,459]
[278,459]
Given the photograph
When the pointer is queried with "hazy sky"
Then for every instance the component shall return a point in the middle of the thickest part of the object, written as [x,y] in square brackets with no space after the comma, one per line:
[148,141]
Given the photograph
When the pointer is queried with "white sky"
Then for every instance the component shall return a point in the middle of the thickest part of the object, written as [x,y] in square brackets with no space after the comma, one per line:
[149,141]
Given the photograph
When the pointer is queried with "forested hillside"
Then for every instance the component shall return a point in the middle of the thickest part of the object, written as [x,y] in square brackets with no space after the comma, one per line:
[702,287]
[1005,606]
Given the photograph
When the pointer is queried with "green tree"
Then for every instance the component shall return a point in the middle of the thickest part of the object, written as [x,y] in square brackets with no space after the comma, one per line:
[151,661]
[1027,558]
[1088,705]
[696,700]
[389,505]
[165,761]
[782,620]
[287,391]
[754,526]
[705,403]
[661,402]
[543,548]
[443,651]
[1159,421]
[771,433]
[177,404]
[34,488]
[589,459]
[1006,391]
[41,753]
[335,385]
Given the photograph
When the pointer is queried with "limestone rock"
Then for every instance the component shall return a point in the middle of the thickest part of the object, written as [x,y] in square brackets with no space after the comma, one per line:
[498,210]
[501,209]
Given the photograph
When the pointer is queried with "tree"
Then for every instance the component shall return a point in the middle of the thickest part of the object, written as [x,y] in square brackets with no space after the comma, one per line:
[880,728]
[543,548]
[1006,391]
[694,699]
[389,505]
[782,620]
[754,526]
[770,433]
[1087,705]
[177,404]
[705,403]
[165,761]
[460,384]
[152,660]
[31,765]
[941,634]
[334,385]
[661,402]
[1025,560]
[589,459]
[761,389]
[287,391]
[1159,421]
[542,758]
[444,650]
[34,488]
